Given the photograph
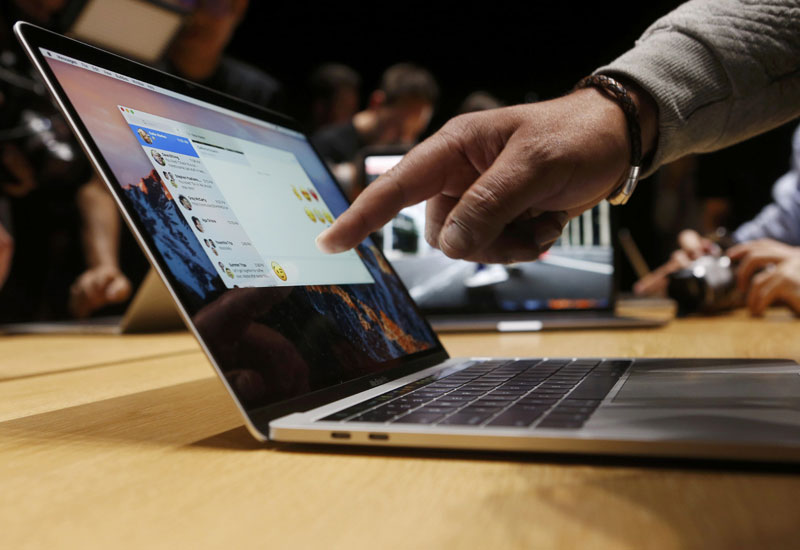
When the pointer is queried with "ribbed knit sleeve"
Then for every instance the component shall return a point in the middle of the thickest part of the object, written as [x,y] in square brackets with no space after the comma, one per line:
[719,70]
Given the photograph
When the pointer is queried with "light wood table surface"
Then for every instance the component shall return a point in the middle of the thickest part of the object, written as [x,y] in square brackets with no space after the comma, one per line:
[131,442]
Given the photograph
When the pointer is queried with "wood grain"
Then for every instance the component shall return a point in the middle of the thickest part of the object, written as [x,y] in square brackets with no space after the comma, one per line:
[150,453]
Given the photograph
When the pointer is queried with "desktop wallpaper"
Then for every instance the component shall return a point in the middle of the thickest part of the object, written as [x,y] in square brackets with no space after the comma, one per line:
[272,343]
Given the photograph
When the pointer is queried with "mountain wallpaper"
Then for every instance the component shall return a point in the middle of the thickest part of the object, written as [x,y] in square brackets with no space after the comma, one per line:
[275,343]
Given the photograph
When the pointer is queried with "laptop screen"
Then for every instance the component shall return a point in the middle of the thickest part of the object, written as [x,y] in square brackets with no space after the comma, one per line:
[577,273]
[229,206]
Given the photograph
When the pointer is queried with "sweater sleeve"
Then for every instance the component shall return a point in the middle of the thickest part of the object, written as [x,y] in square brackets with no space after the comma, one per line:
[720,71]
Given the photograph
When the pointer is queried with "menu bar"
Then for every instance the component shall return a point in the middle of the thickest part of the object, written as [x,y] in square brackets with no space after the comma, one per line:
[128,80]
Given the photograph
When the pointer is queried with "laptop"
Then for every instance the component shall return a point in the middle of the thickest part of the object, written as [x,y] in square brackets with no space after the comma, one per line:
[332,349]
[150,310]
[570,286]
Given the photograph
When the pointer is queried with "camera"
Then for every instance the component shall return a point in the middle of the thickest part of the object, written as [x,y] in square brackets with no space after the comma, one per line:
[30,124]
[707,285]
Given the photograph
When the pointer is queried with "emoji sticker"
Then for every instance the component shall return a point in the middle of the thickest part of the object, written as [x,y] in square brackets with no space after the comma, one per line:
[276,267]
[329,217]
[310,215]
[313,194]
[306,195]
[297,193]
[320,216]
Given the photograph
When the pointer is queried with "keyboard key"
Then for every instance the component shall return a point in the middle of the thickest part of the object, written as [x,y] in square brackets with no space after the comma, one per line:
[497,405]
[418,418]
[518,417]
[538,400]
[375,415]
[499,400]
[466,418]
[477,409]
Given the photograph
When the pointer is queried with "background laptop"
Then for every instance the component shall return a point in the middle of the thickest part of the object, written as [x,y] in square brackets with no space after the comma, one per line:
[151,309]
[319,348]
[571,286]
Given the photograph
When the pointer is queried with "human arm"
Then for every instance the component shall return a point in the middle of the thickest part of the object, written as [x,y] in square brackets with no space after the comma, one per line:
[501,184]
[707,90]
[103,282]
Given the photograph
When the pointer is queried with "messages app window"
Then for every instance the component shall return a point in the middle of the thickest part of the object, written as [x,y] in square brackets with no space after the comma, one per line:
[252,207]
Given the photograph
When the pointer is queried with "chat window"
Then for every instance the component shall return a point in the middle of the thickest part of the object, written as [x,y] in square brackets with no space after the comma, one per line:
[252,207]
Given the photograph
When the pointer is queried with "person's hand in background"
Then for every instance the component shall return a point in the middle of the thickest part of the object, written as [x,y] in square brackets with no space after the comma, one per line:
[754,256]
[776,284]
[103,283]
[96,288]
[768,273]
[501,184]
[691,245]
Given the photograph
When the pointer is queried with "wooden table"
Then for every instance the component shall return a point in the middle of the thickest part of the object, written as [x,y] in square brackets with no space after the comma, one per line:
[131,442]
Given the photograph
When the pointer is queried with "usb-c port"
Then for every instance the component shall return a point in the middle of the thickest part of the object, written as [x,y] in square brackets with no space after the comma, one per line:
[380,437]
[340,435]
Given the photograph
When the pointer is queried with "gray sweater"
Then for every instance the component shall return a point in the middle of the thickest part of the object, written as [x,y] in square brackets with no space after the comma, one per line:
[720,71]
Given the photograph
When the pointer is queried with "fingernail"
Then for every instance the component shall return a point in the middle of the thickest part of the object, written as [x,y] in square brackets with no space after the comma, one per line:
[548,235]
[325,246]
[455,238]
[562,217]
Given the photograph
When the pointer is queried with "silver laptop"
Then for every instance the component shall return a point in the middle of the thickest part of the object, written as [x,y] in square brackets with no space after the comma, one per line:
[151,309]
[332,349]
[571,286]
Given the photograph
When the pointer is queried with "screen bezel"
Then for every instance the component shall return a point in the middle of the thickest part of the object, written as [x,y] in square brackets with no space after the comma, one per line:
[33,39]
[475,311]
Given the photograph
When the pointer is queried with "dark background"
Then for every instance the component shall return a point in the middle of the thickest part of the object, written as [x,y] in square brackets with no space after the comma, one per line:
[517,51]
[521,51]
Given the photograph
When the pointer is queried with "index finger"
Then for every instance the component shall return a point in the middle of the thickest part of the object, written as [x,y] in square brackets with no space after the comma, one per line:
[421,174]
[738,250]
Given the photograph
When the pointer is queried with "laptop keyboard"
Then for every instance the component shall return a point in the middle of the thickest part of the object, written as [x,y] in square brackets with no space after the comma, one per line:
[540,393]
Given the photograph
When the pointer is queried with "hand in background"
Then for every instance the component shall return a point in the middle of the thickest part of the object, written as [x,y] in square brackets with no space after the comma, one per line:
[754,256]
[776,284]
[691,246]
[501,184]
[96,288]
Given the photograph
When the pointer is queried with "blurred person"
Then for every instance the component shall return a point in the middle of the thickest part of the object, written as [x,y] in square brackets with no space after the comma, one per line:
[730,183]
[397,114]
[479,101]
[335,95]
[766,241]
[196,53]
[57,212]
[502,184]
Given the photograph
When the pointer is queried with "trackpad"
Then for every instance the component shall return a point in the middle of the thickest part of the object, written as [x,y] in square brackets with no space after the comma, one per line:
[710,389]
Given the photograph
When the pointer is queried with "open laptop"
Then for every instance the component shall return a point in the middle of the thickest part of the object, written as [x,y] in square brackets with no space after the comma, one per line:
[332,349]
[151,309]
[570,286]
